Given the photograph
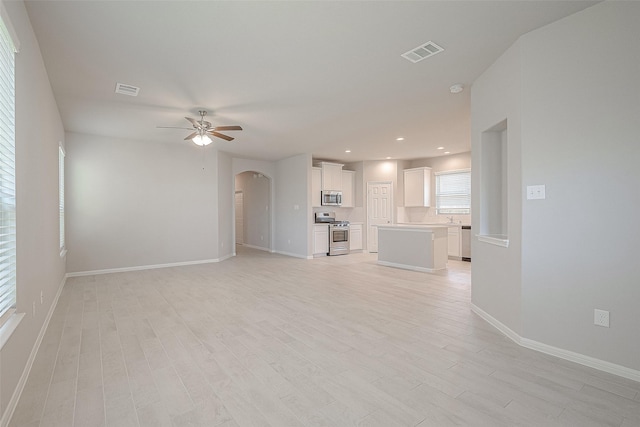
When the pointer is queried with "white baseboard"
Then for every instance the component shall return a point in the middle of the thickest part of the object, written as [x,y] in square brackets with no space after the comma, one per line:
[146,267]
[260,248]
[294,255]
[13,403]
[407,267]
[592,362]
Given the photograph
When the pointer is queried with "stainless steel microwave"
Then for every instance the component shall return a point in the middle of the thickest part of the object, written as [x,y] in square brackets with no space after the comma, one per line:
[331,198]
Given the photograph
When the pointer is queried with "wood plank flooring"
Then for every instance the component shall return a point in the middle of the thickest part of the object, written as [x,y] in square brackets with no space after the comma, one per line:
[268,340]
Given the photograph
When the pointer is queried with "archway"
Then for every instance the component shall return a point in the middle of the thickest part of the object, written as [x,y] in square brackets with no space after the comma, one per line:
[252,210]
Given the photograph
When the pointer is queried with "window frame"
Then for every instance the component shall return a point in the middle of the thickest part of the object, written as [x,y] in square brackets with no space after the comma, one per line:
[9,47]
[465,210]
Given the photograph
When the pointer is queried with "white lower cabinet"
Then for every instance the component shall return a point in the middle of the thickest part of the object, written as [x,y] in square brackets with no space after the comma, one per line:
[454,242]
[320,239]
[355,238]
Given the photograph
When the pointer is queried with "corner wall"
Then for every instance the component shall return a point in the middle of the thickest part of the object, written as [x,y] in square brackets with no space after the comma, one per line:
[496,270]
[580,137]
[39,267]
[575,83]
[292,207]
[134,203]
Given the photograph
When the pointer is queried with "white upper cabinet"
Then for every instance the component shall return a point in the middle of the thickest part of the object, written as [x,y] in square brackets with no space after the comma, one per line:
[316,186]
[417,187]
[348,188]
[331,176]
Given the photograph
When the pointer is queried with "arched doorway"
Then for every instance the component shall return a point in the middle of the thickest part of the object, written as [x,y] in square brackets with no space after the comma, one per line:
[253,210]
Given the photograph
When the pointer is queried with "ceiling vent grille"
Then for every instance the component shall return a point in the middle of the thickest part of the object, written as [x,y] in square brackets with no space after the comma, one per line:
[124,89]
[422,52]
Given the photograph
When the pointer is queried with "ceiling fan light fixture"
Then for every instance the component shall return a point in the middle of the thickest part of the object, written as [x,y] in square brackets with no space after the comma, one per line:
[201,140]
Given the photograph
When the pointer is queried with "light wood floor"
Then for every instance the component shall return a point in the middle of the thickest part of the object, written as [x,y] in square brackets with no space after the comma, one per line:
[268,340]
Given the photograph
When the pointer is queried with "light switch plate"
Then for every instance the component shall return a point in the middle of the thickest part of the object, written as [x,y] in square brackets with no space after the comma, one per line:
[535,192]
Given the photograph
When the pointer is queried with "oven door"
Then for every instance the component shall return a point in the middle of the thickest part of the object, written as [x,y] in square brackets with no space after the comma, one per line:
[338,240]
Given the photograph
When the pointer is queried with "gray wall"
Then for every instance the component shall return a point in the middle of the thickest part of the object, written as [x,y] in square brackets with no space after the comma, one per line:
[293,206]
[574,84]
[496,271]
[226,202]
[39,265]
[580,135]
[133,203]
[256,189]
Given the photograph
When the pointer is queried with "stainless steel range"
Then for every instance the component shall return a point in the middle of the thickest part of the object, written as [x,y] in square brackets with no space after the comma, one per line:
[338,233]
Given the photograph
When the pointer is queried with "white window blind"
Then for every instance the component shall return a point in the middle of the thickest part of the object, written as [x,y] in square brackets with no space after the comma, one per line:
[61,195]
[453,192]
[7,173]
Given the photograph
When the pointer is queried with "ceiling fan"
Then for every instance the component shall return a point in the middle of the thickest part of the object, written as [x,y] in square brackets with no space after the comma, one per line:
[203,130]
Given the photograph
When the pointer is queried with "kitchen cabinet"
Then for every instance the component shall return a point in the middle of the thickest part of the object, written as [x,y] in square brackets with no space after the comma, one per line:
[454,242]
[348,188]
[320,239]
[417,187]
[355,237]
[331,176]
[316,187]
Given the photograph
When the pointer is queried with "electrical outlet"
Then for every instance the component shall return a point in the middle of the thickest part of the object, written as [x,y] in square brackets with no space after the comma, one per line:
[535,192]
[41,297]
[601,318]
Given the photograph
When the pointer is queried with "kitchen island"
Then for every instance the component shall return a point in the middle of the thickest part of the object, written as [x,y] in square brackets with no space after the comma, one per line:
[413,247]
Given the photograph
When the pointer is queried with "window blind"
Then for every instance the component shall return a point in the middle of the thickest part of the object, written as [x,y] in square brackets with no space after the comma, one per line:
[453,192]
[61,195]
[7,174]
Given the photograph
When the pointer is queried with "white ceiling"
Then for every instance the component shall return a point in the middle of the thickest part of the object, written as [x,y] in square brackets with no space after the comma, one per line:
[318,77]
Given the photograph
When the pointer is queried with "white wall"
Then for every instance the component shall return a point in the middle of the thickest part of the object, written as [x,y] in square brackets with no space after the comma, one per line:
[225,208]
[255,188]
[580,136]
[39,265]
[577,80]
[133,203]
[292,207]
[496,271]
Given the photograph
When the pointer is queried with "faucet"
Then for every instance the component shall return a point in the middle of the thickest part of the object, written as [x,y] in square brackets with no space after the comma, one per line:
[450,218]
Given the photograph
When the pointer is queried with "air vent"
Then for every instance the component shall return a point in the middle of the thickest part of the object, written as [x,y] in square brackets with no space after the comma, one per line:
[124,89]
[422,52]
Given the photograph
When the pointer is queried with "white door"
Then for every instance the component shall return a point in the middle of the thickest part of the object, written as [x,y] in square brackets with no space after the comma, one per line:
[239,218]
[379,202]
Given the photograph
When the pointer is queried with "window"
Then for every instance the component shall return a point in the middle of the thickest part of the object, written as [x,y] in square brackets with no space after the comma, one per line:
[7,170]
[453,192]
[61,197]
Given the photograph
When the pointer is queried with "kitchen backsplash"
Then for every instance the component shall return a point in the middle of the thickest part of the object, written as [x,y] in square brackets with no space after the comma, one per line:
[428,215]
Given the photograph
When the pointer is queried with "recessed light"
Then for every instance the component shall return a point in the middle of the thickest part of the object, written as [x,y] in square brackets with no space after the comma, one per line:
[399,138]
[347,151]
[456,88]
[447,152]
[440,148]
[388,158]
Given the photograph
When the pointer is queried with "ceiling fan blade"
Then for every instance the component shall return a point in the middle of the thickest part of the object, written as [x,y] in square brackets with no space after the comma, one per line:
[227,128]
[172,127]
[194,122]
[219,135]
[191,136]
